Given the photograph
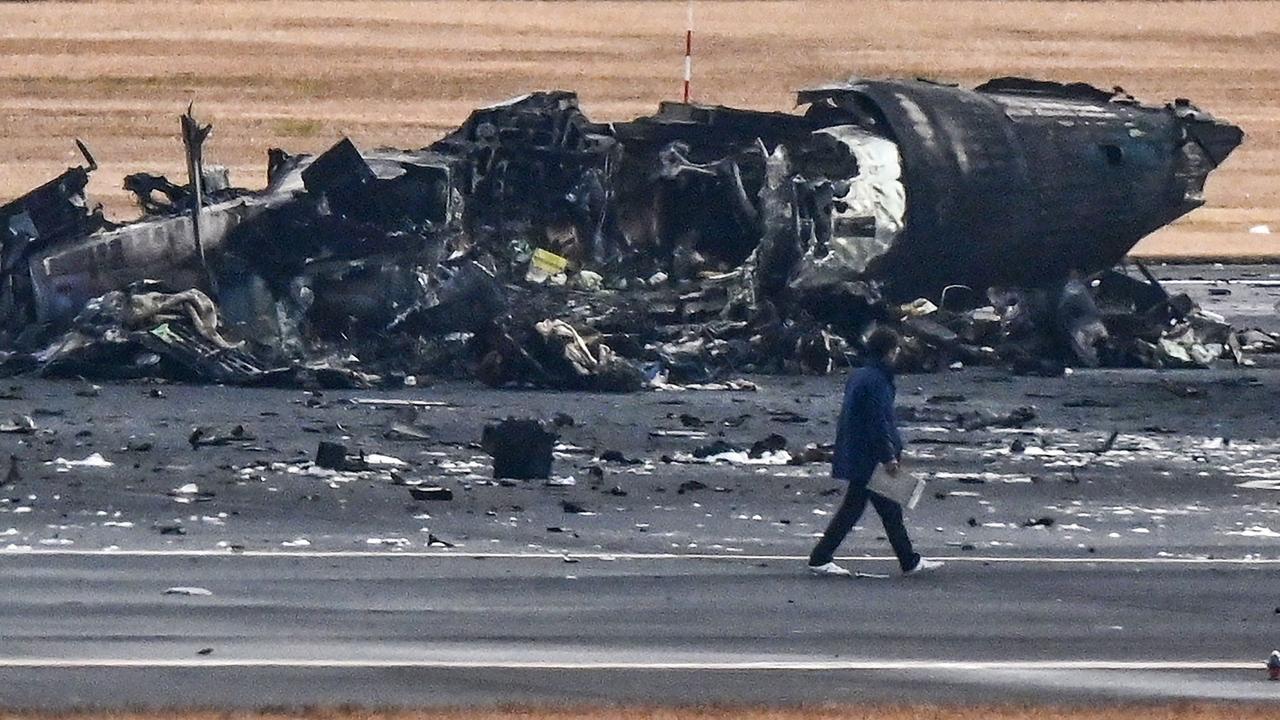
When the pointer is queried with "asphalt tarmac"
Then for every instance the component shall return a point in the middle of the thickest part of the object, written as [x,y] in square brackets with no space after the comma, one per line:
[1120,545]
[101,630]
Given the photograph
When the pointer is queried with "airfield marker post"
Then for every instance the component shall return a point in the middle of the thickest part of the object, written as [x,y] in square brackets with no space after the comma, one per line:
[688,50]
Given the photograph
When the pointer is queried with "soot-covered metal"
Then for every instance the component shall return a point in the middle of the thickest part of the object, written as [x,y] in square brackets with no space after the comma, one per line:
[535,246]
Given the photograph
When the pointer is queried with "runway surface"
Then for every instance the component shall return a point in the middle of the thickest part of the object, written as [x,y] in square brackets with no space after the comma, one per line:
[99,630]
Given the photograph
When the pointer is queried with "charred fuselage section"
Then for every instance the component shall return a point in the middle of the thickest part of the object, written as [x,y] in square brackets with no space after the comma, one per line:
[1018,182]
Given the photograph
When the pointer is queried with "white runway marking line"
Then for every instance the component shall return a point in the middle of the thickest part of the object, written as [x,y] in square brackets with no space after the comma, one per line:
[765,665]
[606,556]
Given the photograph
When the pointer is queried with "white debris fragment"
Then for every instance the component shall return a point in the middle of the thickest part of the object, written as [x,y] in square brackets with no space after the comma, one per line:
[57,541]
[376,460]
[188,591]
[21,424]
[1260,484]
[918,308]
[567,481]
[1260,230]
[393,542]
[117,523]
[188,489]
[737,457]
[735,385]
[394,402]
[588,280]
[297,542]
[691,434]
[984,477]
[1255,531]
[93,461]
[461,467]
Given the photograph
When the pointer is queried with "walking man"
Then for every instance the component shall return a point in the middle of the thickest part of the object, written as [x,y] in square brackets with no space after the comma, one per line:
[867,436]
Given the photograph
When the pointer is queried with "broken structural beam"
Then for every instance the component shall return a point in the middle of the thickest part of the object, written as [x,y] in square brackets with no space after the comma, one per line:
[193,136]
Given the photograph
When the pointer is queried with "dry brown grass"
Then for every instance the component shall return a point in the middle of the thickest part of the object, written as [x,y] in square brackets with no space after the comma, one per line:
[297,74]
[1188,711]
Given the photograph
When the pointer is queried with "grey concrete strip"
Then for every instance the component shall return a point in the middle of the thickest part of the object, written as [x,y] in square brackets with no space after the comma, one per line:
[606,557]
[84,630]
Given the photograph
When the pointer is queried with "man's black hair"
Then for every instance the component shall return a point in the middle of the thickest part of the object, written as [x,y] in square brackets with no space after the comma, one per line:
[881,341]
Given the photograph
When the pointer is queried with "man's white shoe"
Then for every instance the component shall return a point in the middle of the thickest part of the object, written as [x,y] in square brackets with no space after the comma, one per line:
[925,565]
[830,570]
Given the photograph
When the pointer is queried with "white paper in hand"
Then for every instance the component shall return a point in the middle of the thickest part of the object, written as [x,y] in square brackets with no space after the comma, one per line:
[901,488]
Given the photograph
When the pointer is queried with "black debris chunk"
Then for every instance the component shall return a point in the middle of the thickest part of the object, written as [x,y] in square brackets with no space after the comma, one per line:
[716,447]
[1108,444]
[218,436]
[331,455]
[436,541]
[522,449]
[771,444]
[813,454]
[335,456]
[615,456]
[430,493]
[980,419]
[691,486]
[787,416]
[14,473]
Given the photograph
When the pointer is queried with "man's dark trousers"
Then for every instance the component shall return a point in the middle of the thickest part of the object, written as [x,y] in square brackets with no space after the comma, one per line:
[855,502]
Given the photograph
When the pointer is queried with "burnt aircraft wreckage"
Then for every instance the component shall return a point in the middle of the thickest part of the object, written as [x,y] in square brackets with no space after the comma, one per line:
[534,246]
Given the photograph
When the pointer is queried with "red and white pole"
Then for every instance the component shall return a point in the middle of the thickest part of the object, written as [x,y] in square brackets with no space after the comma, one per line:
[688,51]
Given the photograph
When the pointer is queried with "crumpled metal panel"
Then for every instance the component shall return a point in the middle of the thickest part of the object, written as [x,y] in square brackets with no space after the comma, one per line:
[67,275]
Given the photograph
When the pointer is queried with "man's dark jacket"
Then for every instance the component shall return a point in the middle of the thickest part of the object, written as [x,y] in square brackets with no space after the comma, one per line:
[867,434]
